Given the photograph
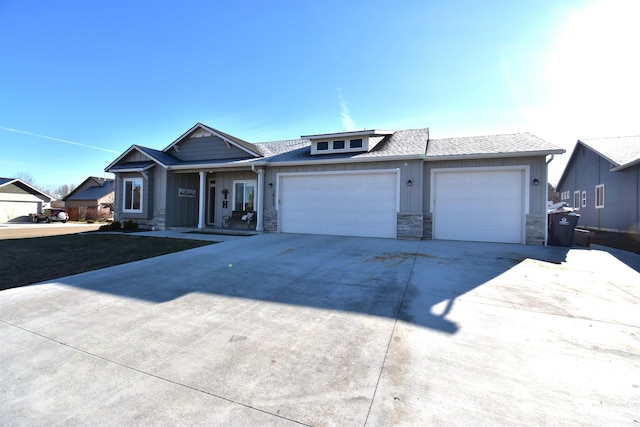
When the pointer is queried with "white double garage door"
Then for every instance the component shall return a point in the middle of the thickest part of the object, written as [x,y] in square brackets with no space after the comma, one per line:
[475,205]
[354,203]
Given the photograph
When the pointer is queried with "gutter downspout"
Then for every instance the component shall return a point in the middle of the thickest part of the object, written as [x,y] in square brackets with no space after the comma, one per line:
[260,197]
[546,215]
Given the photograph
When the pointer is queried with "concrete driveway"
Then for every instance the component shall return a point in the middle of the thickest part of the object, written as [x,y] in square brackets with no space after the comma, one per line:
[281,329]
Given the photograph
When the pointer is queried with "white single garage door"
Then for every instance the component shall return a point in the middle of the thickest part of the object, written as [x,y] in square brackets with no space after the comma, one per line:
[14,209]
[343,204]
[481,205]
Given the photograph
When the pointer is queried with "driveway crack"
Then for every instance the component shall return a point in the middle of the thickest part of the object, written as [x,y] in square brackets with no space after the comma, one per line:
[149,374]
[393,331]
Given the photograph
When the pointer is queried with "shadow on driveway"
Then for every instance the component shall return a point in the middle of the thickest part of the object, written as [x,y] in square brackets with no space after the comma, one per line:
[416,281]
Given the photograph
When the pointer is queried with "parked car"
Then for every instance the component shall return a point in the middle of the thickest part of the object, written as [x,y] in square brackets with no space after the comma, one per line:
[52,214]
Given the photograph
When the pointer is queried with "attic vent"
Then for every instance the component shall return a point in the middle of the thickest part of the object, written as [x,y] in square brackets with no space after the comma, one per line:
[199,134]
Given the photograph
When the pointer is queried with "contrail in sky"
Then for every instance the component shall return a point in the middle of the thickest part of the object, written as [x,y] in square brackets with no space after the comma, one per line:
[347,121]
[58,140]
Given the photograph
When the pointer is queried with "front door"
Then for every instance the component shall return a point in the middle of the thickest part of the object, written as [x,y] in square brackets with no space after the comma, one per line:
[211,203]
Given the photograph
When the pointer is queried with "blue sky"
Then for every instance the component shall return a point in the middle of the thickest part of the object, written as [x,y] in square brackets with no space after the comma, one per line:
[81,81]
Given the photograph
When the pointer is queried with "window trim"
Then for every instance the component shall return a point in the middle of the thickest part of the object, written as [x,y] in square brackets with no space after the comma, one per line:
[584,199]
[255,192]
[124,194]
[598,187]
[576,200]
[356,144]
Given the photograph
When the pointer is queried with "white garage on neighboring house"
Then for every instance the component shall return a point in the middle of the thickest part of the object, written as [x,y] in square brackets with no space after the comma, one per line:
[19,199]
[370,183]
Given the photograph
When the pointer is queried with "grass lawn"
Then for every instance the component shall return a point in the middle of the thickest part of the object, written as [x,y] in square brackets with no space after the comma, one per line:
[26,261]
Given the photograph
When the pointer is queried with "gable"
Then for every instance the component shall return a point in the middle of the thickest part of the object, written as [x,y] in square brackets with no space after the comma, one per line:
[204,145]
[17,187]
[210,148]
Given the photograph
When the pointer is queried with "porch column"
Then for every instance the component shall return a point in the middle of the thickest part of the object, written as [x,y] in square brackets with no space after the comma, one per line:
[260,204]
[201,204]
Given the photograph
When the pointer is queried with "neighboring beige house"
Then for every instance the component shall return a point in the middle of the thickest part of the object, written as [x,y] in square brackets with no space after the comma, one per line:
[19,199]
[373,183]
[93,199]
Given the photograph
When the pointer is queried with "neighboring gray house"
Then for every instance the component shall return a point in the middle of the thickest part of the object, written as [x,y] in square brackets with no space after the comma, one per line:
[602,182]
[19,199]
[374,183]
[95,195]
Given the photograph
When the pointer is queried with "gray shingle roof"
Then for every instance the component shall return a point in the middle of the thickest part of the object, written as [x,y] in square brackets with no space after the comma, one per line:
[94,193]
[403,143]
[620,151]
[160,156]
[515,144]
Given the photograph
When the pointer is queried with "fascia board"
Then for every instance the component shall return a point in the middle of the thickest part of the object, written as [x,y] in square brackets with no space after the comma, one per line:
[120,157]
[126,153]
[370,132]
[342,161]
[626,165]
[130,169]
[429,158]
[13,181]
[213,131]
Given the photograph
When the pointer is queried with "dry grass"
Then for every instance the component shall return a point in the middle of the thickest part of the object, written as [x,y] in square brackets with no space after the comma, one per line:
[26,261]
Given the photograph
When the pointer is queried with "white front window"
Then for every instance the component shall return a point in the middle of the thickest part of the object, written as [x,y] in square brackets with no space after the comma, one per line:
[600,196]
[584,199]
[244,193]
[576,200]
[132,197]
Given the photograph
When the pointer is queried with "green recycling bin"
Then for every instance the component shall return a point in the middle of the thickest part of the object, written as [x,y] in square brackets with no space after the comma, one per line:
[562,228]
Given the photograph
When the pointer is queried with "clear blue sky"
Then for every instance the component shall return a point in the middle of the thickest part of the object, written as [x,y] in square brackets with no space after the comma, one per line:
[81,81]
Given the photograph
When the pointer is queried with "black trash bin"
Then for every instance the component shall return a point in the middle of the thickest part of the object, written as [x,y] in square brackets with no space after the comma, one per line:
[562,228]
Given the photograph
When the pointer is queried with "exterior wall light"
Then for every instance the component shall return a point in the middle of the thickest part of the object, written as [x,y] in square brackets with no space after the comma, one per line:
[409,183]
[536,181]
[271,185]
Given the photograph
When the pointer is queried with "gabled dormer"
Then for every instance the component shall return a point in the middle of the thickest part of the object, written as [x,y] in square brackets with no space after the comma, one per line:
[361,141]
[203,142]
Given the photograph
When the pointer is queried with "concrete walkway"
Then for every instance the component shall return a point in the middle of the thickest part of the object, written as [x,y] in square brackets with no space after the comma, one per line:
[280,329]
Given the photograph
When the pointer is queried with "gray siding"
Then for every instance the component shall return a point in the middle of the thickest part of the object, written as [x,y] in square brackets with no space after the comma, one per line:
[621,211]
[207,148]
[537,169]
[147,197]
[182,211]
[410,197]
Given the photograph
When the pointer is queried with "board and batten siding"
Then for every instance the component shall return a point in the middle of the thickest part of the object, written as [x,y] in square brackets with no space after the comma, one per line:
[537,169]
[207,148]
[182,211]
[147,197]
[621,210]
[410,196]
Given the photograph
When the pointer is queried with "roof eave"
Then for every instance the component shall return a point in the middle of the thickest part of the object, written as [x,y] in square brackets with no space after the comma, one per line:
[493,155]
[255,153]
[346,160]
[140,169]
[126,153]
[626,165]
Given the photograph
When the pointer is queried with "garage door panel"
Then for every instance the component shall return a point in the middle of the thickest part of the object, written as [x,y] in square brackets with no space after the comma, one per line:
[16,209]
[361,204]
[479,206]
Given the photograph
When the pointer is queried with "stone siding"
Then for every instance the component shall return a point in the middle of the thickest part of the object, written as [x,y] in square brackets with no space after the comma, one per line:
[535,229]
[409,226]
[427,227]
[270,221]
